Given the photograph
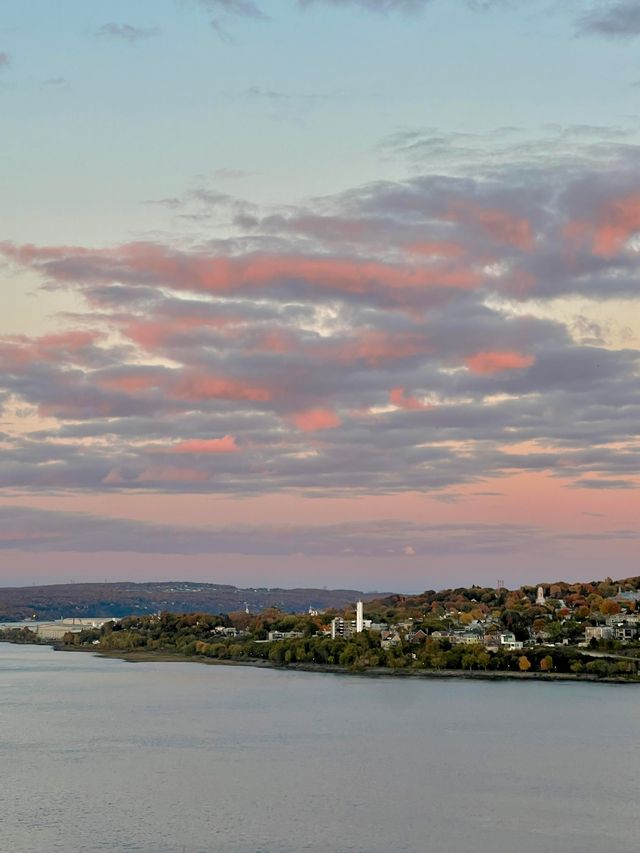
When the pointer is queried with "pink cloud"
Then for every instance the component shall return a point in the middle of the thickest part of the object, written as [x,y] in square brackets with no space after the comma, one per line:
[207,387]
[154,333]
[150,334]
[226,444]
[398,397]
[616,220]
[275,340]
[151,263]
[190,386]
[437,249]
[501,225]
[131,383]
[495,362]
[311,420]
[70,341]
[376,346]
[78,408]
[19,351]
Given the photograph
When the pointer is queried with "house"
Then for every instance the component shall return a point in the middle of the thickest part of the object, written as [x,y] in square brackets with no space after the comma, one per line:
[541,637]
[418,636]
[508,641]
[377,627]
[225,632]
[624,631]
[284,635]
[627,618]
[465,638]
[441,635]
[598,632]
[390,639]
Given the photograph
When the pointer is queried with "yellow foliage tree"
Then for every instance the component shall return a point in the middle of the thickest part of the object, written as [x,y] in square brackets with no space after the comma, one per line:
[524,664]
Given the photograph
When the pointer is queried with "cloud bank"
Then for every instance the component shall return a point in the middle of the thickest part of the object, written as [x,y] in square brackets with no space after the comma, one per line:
[33,530]
[373,342]
[604,18]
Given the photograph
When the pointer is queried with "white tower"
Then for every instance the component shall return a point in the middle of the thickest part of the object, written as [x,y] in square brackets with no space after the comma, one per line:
[359,618]
[540,596]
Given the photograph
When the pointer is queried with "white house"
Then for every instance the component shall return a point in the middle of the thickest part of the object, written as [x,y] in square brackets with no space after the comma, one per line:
[508,641]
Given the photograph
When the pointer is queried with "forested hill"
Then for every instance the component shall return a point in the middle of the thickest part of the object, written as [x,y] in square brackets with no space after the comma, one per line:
[127,599]
[580,596]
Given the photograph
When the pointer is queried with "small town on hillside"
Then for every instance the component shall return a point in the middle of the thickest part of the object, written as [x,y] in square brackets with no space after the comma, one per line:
[591,628]
[557,623]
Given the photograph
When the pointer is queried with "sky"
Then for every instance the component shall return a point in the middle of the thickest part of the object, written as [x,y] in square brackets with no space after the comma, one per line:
[319,292]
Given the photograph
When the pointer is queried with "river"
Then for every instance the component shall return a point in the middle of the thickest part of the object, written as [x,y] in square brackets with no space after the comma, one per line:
[99,754]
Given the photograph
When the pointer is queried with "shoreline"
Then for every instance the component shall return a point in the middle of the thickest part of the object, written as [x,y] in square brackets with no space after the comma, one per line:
[134,656]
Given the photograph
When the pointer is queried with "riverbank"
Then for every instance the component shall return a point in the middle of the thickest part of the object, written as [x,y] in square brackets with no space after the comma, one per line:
[144,656]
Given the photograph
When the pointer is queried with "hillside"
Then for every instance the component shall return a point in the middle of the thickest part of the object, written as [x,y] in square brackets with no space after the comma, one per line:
[127,599]
[574,595]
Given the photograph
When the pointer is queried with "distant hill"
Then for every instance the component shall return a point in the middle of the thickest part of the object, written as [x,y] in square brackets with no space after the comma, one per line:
[574,594]
[128,599]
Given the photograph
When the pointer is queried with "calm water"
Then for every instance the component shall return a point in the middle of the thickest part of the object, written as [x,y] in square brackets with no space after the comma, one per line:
[104,755]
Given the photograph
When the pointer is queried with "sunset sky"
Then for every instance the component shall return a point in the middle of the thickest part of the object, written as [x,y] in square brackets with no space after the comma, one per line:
[319,292]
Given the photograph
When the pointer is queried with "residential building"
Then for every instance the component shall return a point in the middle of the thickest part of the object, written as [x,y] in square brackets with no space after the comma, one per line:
[465,638]
[284,635]
[599,632]
[390,639]
[508,641]
[346,628]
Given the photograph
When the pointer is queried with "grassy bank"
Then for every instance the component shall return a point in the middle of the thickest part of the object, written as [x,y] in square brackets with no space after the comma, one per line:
[164,656]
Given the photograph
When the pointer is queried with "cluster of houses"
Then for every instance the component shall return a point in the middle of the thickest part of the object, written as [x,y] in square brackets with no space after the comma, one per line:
[623,626]
[471,635]
[457,628]
[392,635]
[487,631]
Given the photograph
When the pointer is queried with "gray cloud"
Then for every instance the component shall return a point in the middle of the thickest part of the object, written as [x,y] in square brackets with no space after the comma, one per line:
[35,530]
[373,5]
[616,20]
[606,18]
[43,530]
[590,483]
[5,60]
[242,8]
[293,101]
[369,342]
[221,11]
[55,82]
[126,32]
